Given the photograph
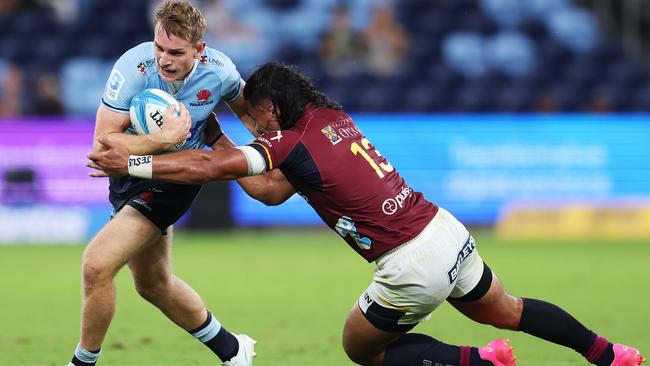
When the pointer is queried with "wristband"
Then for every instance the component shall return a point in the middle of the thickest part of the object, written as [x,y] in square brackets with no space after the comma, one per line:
[141,166]
[215,139]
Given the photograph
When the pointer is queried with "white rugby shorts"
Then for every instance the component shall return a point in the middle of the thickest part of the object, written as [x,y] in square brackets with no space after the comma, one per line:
[416,277]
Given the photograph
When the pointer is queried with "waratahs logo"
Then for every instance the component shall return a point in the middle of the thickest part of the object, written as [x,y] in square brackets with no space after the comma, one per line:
[202,98]
[203,94]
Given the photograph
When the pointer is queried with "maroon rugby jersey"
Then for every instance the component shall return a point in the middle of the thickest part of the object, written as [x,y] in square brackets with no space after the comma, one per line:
[345,179]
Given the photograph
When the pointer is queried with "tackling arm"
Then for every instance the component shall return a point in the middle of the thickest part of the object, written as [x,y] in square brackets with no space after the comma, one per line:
[271,188]
[194,167]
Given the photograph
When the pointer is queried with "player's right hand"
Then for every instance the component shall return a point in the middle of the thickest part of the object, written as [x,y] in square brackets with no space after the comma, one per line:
[176,126]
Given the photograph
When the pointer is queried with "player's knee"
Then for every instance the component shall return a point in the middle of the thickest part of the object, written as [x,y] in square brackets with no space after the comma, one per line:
[95,273]
[510,314]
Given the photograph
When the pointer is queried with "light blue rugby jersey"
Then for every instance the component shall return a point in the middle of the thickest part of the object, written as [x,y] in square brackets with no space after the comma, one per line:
[213,78]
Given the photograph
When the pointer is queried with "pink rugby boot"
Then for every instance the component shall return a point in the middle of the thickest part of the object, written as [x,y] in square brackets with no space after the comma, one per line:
[499,352]
[626,356]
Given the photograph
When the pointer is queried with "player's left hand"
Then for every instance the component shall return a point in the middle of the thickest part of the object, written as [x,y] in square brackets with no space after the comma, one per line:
[112,161]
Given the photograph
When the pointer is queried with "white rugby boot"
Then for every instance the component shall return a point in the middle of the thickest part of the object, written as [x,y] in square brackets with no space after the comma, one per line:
[246,352]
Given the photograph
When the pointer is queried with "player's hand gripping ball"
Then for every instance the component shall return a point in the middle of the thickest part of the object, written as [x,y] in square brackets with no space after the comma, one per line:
[147,112]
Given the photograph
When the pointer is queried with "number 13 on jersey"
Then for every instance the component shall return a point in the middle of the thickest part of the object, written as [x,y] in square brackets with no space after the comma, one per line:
[365,150]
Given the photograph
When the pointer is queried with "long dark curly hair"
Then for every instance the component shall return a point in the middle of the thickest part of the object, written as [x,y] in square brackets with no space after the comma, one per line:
[288,90]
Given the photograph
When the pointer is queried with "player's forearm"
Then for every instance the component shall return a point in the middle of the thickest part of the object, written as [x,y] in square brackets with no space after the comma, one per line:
[185,167]
[139,144]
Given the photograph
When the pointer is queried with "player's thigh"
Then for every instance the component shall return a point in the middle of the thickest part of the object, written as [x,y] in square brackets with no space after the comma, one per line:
[120,240]
[152,265]
[362,341]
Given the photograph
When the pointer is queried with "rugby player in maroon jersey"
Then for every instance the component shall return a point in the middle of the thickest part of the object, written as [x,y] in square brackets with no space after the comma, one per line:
[423,255]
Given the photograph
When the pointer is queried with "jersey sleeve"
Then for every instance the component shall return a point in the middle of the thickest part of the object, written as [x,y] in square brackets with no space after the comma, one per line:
[123,83]
[276,147]
[230,81]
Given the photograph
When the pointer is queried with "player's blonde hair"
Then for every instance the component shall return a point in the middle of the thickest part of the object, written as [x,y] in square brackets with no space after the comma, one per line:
[182,19]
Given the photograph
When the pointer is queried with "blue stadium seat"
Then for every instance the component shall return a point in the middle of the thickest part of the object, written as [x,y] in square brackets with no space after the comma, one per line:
[511,53]
[82,85]
[575,28]
[465,52]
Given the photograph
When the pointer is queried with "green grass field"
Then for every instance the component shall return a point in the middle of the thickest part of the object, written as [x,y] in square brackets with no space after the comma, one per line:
[292,290]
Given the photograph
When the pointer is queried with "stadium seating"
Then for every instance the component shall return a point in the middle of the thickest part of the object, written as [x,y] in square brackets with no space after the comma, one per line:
[527,50]
[83,86]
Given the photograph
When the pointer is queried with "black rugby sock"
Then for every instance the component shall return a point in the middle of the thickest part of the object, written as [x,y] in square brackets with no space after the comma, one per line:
[416,349]
[89,357]
[219,340]
[549,322]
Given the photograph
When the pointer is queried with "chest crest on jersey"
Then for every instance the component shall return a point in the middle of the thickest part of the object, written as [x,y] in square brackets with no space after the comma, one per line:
[331,134]
[203,97]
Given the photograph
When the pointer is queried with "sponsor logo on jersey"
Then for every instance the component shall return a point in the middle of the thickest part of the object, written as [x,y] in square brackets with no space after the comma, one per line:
[347,132]
[365,301]
[142,66]
[205,59]
[263,140]
[391,205]
[202,98]
[143,199]
[464,252]
[331,134]
[115,83]
[346,226]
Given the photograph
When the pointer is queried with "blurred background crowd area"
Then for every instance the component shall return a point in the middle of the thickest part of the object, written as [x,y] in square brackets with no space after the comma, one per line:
[370,55]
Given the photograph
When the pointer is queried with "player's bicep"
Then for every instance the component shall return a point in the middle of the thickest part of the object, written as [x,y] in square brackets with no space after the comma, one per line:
[271,188]
[281,189]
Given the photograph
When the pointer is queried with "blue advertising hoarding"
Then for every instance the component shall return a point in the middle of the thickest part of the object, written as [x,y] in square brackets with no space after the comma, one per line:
[474,165]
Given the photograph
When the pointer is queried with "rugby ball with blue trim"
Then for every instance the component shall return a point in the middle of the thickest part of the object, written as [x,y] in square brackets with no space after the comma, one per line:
[148,109]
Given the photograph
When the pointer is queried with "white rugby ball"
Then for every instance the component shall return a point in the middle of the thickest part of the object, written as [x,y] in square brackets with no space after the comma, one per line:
[148,109]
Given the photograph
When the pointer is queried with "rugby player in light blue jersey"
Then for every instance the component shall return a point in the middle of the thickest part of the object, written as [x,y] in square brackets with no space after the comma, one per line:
[140,232]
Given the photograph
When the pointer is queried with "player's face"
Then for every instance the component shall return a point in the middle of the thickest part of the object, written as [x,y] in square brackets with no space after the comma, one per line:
[265,116]
[175,56]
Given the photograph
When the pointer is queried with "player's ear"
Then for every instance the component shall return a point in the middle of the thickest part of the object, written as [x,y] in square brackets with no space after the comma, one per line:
[270,107]
[199,49]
